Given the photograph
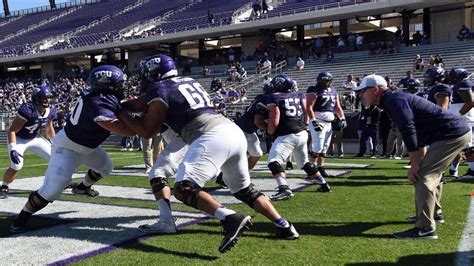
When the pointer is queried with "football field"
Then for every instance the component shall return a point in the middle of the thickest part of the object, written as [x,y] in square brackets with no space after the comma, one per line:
[352,225]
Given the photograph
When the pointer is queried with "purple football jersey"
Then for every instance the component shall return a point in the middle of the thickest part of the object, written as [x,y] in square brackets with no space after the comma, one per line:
[246,122]
[185,98]
[291,112]
[82,127]
[463,85]
[326,100]
[34,121]
[438,89]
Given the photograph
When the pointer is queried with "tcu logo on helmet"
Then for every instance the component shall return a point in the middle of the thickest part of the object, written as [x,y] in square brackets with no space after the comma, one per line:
[103,73]
[153,63]
[279,80]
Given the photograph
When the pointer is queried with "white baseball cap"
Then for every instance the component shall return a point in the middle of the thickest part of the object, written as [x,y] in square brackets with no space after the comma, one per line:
[372,81]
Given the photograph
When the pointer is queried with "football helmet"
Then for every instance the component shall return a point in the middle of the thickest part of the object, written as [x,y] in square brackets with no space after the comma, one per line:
[282,83]
[108,79]
[433,75]
[267,89]
[412,85]
[42,96]
[324,78]
[157,67]
[457,74]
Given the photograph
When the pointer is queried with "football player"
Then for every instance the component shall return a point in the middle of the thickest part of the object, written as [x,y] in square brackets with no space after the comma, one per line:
[287,126]
[168,160]
[93,119]
[31,118]
[412,86]
[249,125]
[322,103]
[184,105]
[462,103]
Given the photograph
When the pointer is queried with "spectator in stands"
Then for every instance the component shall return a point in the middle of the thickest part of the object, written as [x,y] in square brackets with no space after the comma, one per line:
[243,94]
[352,41]
[231,54]
[359,42]
[267,65]
[264,7]
[217,59]
[317,48]
[424,40]
[390,47]
[390,84]
[259,50]
[416,38]
[205,71]
[299,64]
[266,79]
[241,70]
[349,85]
[329,57]
[372,48]
[383,48]
[257,8]
[464,33]
[216,84]
[403,83]
[210,17]
[282,54]
[341,45]
[398,37]
[418,64]
[438,61]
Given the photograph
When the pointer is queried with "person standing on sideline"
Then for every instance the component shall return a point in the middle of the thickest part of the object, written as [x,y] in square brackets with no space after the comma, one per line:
[421,123]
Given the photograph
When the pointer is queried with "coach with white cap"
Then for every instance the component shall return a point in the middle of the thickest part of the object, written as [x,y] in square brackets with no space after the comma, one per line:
[421,123]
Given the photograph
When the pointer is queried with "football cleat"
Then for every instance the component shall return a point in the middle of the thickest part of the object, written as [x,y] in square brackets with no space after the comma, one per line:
[160,227]
[289,233]
[82,190]
[438,219]
[3,192]
[324,188]
[284,193]
[233,226]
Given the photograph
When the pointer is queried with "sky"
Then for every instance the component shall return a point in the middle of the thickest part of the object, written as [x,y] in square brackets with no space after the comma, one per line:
[25,4]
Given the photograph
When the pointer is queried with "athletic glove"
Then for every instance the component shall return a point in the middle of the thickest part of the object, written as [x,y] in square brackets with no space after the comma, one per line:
[342,123]
[15,156]
[317,127]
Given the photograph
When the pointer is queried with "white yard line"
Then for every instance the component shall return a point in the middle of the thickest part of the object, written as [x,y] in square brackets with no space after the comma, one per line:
[465,256]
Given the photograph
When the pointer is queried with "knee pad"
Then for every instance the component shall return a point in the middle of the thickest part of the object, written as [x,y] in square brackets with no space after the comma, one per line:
[93,175]
[158,183]
[187,192]
[275,167]
[248,195]
[310,169]
[36,201]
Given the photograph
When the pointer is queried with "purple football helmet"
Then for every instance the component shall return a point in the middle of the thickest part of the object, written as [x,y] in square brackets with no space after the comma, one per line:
[282,83]
[108,79]
[457,74]
[157,67]
[42,96]
[433,75]
[324,78]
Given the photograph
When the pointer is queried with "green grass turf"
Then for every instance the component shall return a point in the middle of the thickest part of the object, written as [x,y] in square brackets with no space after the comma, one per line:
[352,225]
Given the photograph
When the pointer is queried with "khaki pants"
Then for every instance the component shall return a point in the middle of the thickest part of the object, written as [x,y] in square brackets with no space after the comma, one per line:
[428,188]
[393,135]
[336,139]
[151,148]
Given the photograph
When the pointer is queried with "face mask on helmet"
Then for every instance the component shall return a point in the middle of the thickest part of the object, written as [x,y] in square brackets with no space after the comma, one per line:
[457,75]
[42,96]
[324,79]
[433,75]
[108,79]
